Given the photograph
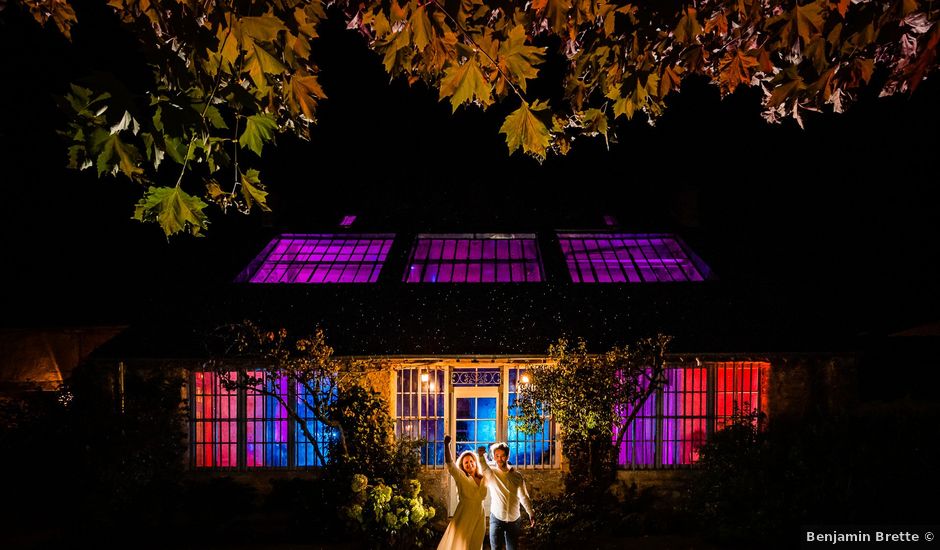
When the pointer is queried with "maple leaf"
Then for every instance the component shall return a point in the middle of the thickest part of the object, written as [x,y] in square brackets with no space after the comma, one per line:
[926,60]
[802,21]
[421,28]
[717,23]
[519,59]
[623,105]
[809,19]
[263,28]
[397,49]
[735,69]
[309,17]
[214,116]
[59,11]
[258,130]
[397,11]
[824,85]
[80,100]
[595,122]
[253,191]
[816,52]
[303,94]
[174,209]
[441,47]
[115,155]
[555,12]
[523,129]
[259,62]
[842,6]
[214,190]
[174,148]
[688,28]
[298,46]
[229,44]
[786,89]
[464,83]
[862,69]
[670,79]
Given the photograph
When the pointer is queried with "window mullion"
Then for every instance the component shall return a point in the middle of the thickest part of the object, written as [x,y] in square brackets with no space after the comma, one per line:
[291,427]
[660,423]
[711,395]
[242,423]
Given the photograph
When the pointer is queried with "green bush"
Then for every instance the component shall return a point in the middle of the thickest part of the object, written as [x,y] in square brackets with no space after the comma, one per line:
[390,516]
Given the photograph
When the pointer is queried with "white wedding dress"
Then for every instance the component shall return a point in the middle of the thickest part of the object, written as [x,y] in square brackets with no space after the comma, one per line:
[468,526]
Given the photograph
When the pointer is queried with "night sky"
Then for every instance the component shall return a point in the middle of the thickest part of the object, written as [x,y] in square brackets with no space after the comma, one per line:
[840,219]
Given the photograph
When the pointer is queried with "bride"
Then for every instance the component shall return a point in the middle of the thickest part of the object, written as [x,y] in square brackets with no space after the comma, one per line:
[465,530]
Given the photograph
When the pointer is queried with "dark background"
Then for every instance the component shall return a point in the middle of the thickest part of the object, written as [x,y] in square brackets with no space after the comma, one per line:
[839,220]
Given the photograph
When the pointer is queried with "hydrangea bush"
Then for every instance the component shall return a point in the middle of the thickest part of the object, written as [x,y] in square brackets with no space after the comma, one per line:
[390,516]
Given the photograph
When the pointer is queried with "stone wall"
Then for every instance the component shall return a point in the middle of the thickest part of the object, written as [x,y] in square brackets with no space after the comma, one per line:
[804,385]
[666,485]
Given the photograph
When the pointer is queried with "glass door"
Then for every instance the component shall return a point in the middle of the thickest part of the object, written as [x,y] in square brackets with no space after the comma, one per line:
[475,423]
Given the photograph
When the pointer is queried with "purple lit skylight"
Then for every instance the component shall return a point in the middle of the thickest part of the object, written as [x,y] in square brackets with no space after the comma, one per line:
[633,258]
[322,258]
[475,258]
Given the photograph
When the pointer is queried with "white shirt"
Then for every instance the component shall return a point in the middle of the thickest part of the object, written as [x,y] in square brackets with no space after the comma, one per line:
[507,490]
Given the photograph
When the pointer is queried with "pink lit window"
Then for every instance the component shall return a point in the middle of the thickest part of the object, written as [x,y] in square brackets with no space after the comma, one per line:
[629,258]
[319,258]
[474,258]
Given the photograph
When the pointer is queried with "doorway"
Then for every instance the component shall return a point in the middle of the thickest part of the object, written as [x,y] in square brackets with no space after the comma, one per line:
[474,423]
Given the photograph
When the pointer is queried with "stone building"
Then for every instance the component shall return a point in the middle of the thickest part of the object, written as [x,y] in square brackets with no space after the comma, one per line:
[457,319]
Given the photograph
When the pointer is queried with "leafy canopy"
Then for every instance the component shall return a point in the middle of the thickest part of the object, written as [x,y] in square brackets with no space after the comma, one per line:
[227,77]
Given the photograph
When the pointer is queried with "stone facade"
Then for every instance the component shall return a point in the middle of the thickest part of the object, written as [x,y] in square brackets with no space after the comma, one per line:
[798,385]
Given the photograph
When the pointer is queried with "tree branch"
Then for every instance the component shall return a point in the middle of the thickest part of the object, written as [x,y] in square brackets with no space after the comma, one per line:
[478,48]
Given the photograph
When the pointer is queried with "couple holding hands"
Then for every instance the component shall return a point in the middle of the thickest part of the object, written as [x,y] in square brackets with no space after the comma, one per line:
[475,477]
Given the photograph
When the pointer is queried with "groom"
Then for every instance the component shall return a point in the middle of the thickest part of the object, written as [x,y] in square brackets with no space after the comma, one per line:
[507,490]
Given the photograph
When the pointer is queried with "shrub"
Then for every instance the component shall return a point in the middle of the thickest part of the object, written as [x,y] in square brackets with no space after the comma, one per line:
[390,516]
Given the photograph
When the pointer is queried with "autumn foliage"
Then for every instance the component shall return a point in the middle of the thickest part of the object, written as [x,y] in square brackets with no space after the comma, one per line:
[228,76]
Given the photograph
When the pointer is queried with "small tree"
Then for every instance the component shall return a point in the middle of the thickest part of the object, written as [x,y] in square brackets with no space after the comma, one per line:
[369,475]
[592,396]
[254,359]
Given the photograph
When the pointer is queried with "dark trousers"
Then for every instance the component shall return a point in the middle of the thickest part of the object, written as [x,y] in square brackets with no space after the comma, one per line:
[504,532]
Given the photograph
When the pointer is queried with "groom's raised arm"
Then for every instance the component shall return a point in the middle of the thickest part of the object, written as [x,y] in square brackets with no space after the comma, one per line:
[483,465]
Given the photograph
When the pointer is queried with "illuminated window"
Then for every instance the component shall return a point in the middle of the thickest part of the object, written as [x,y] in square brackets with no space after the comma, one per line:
[419,407]
[306,453]
[529,450]
[629,258]
[249,429]
[320,258]
[215,422]
[266,424]
[474,258]
[695,401]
